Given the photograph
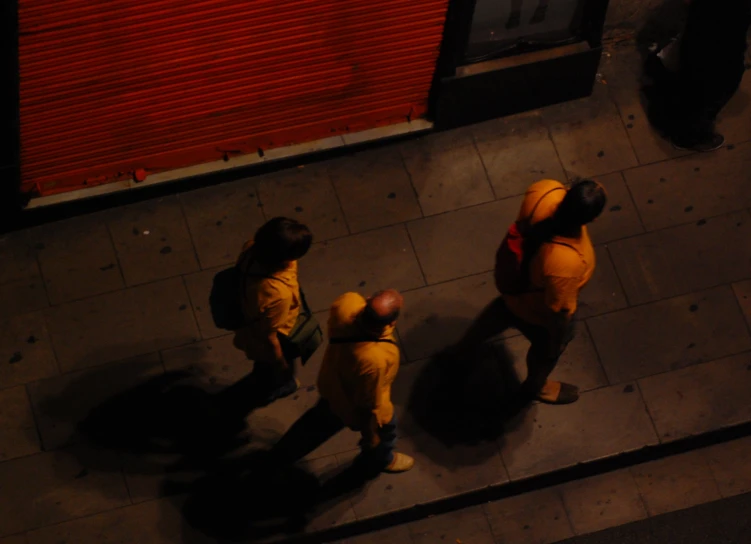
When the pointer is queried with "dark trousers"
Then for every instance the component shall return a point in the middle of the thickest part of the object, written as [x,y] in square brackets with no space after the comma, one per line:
[495,319]
[318,425]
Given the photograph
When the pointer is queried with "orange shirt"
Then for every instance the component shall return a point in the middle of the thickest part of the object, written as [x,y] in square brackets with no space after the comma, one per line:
[356,378]
[268,303]
[558,271]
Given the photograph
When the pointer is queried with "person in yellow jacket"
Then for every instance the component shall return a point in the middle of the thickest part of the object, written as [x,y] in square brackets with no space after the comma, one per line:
[271,300]
[558,261]
[358,369]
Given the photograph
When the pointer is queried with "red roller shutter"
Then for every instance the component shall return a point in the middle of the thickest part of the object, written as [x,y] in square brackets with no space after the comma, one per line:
[114,87]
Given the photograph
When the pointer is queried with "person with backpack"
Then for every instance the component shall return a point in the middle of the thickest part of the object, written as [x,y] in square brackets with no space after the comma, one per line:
[542,264]
[272,304]
[359,366]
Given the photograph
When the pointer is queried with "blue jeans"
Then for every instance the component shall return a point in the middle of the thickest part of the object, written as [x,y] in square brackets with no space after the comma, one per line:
[318,425]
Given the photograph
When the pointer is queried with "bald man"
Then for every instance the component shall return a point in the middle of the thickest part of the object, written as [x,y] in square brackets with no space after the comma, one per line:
[358,368]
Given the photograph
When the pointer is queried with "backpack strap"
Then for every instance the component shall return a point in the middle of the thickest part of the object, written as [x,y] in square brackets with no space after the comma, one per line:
[360,340]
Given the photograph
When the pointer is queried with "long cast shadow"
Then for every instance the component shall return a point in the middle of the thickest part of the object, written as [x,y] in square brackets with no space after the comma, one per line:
[466,396]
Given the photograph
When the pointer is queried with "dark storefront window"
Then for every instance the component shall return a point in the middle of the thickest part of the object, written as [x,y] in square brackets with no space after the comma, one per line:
[503,27]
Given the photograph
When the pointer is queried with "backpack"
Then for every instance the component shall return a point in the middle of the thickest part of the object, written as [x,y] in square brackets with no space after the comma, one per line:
[509,279]
[225,299]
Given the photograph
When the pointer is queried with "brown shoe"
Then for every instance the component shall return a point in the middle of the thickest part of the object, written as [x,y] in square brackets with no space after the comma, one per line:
[558,393]
[400,463]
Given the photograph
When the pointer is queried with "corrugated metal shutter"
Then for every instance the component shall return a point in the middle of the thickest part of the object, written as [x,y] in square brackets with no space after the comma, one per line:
[109,87]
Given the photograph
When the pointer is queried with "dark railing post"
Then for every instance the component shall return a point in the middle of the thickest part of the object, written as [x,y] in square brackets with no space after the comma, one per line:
[454,43]
[10,151]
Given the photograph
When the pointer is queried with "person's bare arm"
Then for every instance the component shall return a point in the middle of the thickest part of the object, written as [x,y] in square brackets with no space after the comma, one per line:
[561,301]
[275,350]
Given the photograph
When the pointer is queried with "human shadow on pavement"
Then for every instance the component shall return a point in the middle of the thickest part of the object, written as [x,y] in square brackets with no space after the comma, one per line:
[174,434]
[468,397]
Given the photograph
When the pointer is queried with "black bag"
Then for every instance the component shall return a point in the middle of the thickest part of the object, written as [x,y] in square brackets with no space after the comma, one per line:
[305,337]
[225,299]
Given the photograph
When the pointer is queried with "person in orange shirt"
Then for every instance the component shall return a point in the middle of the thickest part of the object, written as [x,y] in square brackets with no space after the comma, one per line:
[358,369]
[558,260]
[271,301]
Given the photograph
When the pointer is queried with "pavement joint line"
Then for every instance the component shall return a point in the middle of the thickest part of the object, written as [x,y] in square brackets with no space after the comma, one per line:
[518,487]
[633,201]
[484,168]
[597,354]
[618,277]
[187,228]
[338,202]
[192,310]
[646,407]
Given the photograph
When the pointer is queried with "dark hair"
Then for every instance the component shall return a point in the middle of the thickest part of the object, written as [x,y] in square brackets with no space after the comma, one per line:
[583,203]
[371,318]
[281,239]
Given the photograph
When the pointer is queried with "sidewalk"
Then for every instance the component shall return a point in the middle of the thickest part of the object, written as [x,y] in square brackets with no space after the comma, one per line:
[93,306]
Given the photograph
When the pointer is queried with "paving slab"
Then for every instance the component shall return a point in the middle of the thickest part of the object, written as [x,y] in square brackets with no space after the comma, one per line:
[157,522]
[603,501]
[152,240]
[620,219]
[683,259]
[50,488]
[437,316]
[589,135]
[622,69]
[538,517]
[62,402]
[21,286]
[18,433]
[398,534]
[670,334]
[578,365]
[517,151]
[374,189]
[733,119]
[692,188]
[464,242]
[743,293]
[604,293]
[700,398]
[602,423]
[77,258]
[25,350]
[366,262]
[199,289]
[469,525]
[222,219]
[217,362]
[733,478]
[676,482]
[305,194]
[123,324]
[446,178]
